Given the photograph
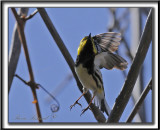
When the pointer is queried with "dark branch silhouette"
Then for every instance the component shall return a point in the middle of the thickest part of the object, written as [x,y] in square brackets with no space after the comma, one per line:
[126,91]
[15,50]
[139,102]
[32,84]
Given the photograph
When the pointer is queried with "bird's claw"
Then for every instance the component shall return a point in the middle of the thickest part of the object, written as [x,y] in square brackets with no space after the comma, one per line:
[75,104]
[83,111]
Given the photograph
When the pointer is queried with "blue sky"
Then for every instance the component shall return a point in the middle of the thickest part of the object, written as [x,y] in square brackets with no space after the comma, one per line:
[50,67]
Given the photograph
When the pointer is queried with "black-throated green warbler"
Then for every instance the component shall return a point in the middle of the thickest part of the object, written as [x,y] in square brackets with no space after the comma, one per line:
[95,53]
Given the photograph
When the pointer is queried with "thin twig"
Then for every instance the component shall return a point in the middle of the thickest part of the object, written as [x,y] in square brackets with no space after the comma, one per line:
[97,113]
[31,15]
[139,102]
[125,94]
[50,95]
[37,86]
[33,85]
[21,79]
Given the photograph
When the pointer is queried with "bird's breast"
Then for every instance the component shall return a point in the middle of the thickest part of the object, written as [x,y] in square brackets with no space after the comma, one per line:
[85,78]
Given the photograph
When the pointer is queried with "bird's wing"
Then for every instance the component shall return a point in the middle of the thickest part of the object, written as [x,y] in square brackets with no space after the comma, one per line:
[109,61]
[108,41]
[106,44]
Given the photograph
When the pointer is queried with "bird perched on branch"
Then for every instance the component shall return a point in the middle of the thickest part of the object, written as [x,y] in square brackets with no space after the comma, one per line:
[95,53]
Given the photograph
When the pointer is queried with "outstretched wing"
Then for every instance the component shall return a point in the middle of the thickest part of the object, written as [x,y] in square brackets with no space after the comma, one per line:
[106,44]
[108,41]
[109,61]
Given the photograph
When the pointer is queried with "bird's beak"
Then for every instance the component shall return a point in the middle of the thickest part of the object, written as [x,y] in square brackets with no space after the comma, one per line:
[89,37]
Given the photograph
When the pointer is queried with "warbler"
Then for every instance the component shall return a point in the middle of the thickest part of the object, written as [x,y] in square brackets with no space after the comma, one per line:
[95,53]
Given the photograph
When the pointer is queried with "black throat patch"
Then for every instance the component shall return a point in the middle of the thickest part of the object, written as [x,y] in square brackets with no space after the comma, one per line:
[86,57]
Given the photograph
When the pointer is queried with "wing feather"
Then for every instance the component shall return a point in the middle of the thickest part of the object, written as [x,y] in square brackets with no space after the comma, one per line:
[108,41]
[109,61]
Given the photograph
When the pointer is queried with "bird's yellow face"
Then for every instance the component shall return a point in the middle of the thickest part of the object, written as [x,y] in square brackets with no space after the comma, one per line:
[83,43]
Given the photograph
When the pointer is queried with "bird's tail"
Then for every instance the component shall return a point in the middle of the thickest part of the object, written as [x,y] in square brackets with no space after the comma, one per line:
[101,102]
[105,107]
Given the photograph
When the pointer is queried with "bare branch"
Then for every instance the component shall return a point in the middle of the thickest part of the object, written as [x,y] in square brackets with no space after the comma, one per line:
[116,26]
[136,30]
[139,102]
[14,50]
[97,113]
[31,15]
[15,14]
[125,94]
[30,84]
[20,79]
[23,41]
[56,107]
[20,27]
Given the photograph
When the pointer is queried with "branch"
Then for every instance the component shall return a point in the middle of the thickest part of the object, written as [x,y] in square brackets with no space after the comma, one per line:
[14,50]
[21,79]
[97,113]
[20,27]
[23,41]
[56,107]
[31,15]
[136,31]
[139,102]
[126,91]
[116,26]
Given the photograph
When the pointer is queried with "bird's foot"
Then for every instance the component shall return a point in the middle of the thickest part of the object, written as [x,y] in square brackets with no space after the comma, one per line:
[75,104]
[83,111]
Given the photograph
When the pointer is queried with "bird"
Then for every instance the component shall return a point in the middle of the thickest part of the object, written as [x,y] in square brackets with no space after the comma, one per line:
[94,53]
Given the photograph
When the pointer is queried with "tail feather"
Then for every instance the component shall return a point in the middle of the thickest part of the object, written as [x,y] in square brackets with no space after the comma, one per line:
[105,107]
[101,102]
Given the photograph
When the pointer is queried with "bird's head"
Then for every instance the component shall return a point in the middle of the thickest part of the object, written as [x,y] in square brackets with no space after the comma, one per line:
[87,46]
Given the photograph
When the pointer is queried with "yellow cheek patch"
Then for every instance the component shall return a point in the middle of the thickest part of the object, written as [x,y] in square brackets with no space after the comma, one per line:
[94,48]
[83,43]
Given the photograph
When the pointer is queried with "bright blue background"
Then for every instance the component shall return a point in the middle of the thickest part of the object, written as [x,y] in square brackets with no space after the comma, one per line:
[50,67]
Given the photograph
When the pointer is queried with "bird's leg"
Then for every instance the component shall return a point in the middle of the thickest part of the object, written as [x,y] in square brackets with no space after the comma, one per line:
[76,102]
[88,105]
